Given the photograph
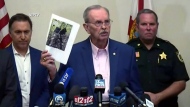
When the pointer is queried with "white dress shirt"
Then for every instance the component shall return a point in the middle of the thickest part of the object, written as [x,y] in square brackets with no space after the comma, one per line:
[23,65]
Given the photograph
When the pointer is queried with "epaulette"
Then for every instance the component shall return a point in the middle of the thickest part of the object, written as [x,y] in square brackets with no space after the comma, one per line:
[169,43]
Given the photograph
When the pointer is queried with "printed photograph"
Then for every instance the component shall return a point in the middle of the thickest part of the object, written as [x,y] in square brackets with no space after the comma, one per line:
[61,35]
[58,34]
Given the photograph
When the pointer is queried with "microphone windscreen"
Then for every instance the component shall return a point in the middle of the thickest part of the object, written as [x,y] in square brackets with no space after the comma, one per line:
[123,85]
[59,88]
[83,91]
[75,90]
[98,76]
[117,91]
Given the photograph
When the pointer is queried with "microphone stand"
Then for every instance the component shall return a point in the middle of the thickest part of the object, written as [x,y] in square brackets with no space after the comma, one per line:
[71,103]
[100,102]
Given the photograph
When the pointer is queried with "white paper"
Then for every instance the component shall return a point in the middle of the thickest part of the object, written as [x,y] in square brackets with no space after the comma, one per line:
[59,41]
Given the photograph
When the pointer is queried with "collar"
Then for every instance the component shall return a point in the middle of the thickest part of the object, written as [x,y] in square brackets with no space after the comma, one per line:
[16,53]
[155,45]
[95,48]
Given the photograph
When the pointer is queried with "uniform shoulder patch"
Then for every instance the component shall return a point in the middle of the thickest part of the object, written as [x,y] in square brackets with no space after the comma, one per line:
[179,57]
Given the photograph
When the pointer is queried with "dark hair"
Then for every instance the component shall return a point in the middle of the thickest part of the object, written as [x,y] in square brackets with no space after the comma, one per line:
[19,17]
[85,14]
[145,11]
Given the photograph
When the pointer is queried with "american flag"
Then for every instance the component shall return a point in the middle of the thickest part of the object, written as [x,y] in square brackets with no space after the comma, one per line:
[5,38]
[137,5]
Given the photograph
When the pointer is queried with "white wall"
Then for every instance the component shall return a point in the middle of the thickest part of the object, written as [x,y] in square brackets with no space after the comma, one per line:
[173,17]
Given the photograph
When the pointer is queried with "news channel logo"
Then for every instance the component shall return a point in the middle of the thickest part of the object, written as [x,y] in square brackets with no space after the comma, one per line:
[100,83]
[59,99]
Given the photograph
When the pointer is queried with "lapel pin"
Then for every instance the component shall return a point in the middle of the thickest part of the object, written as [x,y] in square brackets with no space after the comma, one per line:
[114,53]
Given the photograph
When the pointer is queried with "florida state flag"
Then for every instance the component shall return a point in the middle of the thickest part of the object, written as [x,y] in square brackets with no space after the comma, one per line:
[5,38]
[137,5]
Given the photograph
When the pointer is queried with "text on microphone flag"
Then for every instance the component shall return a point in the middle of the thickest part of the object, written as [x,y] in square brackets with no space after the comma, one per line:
[66,77]
[99,83]
[88,100]
[117,100]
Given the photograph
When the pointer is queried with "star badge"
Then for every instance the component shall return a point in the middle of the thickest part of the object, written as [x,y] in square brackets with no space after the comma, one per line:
[163,55]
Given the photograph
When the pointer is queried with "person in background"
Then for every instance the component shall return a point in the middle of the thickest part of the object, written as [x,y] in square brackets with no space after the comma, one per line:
[162,70]
[98,54]
[8,82]
[33,87]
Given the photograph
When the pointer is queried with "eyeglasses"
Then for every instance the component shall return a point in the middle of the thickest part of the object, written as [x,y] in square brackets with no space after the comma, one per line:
[100,23]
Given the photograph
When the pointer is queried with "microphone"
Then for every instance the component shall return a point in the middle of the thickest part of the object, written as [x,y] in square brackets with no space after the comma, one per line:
[59,97]
[75,90]
[146,98]
[83,100]
[66,77]
[118,98]
[99,88]
[130,102]
[123,85]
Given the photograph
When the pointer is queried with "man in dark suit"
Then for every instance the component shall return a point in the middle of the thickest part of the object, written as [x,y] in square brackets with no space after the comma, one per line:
[8,83]
[98,54]
[31,75]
